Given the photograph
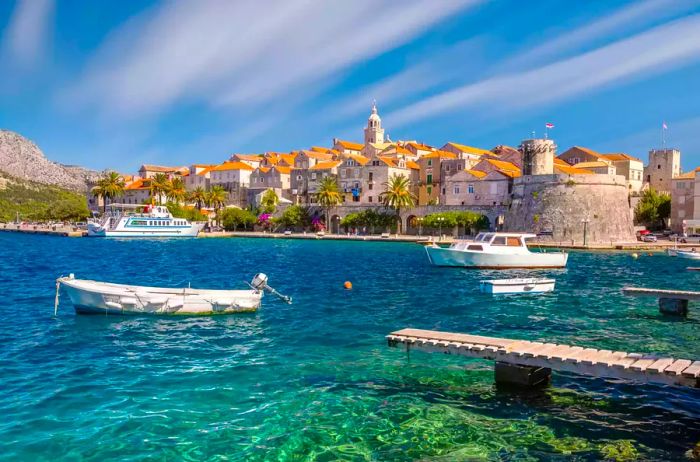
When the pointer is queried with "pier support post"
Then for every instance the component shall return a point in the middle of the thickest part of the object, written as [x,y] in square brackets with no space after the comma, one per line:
[675,306]
[524,376]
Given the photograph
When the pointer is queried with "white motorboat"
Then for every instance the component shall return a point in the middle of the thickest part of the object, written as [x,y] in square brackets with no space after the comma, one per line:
[688,254]
[517,286]
[128,220]
[95,297]
[495,251]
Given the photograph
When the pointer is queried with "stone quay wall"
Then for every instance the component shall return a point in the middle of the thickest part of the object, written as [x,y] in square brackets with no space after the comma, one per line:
[567,206]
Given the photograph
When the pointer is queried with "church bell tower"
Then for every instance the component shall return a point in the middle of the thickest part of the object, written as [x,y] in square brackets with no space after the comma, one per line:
[374,133]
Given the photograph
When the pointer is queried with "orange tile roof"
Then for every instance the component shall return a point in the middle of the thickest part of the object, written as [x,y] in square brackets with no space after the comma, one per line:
[138,184]
[327,165]
[350,145]
[249,157]
[503,165]
[558,161]
[323,150]
[685,176]
[231,165]
[206,170]
[318,155]
[288,158]
[440,154]
[572,170]
[362,160]
[387,160]
[510,173]
[422,147]
[264,169]
[476,173]
[620,156]
[469,149]
[284,170]
[587,151]
[203,165]
[412,165]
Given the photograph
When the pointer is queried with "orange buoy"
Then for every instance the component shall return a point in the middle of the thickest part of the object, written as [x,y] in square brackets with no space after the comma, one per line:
[348,285]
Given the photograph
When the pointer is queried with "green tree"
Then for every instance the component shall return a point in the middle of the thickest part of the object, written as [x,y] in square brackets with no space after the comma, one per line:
[328,196]
[176,190]
[294,215]
[160,185]
[198,196]
[269,201]
[397,195]
[216,198]
[653,208]
[232,218]
[109,186]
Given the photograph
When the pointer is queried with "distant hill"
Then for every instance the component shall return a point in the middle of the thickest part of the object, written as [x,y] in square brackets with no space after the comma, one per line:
[22,159]
[33,201]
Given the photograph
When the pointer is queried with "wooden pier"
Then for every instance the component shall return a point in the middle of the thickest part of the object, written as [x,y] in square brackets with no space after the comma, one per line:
[522,362]
[670,301]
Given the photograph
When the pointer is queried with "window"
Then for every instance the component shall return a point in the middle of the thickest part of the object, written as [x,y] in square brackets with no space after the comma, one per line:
[369,186]
[447,168]
[369,199]
[475,247]
[298,177]
[658,167]
[313,175]
[512,241]
[470,188]
[430,162]
[430,190]
[371,175]
[430,179]
[456,190]
[499,240]
[681,213]
[443,191]
[681,200]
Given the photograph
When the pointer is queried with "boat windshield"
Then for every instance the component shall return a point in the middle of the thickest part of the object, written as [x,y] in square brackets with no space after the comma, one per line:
[484,237]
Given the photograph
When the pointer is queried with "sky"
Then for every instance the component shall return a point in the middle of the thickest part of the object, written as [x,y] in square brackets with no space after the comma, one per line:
[119,84]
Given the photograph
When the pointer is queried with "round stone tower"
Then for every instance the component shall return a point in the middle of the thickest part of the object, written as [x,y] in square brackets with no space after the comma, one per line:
[538,156]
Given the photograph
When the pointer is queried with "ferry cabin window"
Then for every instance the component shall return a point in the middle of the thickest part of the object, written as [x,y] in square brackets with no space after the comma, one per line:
[475,247]
[499,240]
[513,241]
[139,223]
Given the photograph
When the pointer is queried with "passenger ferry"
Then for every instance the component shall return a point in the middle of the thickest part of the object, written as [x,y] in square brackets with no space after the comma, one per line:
[495,251]
[126,220]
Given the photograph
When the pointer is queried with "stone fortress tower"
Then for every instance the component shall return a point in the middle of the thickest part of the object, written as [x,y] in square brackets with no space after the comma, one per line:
[374,133]
[547,199]
[538,156]
[664,165]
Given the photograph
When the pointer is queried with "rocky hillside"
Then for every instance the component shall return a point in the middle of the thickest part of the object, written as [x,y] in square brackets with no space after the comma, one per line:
[21,158]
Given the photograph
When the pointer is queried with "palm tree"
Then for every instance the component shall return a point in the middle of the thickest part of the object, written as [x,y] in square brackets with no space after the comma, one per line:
[269,201]
[177,192]
[328,196]
[217,198]
[111,185]
[160,184]
[398,195]
[198,196]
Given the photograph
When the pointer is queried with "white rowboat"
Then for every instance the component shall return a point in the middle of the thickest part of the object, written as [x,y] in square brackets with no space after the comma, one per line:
[688,254]
[517,286]
[96,297]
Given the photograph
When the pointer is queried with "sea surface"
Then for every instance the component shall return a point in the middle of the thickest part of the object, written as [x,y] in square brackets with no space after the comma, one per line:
[315,381]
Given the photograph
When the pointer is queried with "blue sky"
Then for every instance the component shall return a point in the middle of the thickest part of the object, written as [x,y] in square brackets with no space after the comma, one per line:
[117,84]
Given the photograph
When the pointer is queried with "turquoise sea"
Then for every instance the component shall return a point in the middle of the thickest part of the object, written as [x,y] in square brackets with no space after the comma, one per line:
[315,380]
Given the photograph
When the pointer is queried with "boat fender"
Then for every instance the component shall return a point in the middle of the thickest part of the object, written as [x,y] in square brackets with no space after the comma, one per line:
[114,305]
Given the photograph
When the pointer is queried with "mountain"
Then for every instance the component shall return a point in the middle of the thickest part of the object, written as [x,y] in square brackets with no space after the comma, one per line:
[21,158]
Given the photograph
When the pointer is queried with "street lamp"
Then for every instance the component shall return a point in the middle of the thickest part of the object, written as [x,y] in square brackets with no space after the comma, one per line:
[585,222]
[337,218]
[440,220]
[420,224]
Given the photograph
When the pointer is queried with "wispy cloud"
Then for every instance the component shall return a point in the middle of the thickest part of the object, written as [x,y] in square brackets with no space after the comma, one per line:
[25,38]
[659,50]
[622,21]
[235,54]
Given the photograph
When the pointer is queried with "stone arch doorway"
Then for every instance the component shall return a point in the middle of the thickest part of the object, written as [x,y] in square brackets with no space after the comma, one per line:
[413,225]
[334,225]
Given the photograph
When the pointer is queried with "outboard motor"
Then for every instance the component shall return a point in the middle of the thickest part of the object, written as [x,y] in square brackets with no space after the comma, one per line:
[259,282]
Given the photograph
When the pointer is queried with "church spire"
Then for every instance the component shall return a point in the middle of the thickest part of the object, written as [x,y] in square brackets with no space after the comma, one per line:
[374,133]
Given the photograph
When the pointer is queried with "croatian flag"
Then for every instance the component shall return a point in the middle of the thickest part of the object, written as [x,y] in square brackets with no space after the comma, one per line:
[549,125]
[665,127]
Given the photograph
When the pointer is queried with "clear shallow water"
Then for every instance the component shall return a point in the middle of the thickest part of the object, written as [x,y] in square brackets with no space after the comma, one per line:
[315,380]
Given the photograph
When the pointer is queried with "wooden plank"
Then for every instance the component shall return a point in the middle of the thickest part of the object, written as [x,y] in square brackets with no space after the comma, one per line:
[692,371]
[642,364]
[677,367]
[660,365]
[643,292]
[588,361]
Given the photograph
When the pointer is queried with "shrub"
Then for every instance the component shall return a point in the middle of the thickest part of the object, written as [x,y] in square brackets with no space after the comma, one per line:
[232,218]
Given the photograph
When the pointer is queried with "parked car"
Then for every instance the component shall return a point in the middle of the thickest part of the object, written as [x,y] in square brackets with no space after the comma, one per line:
[694,238]
[649,238]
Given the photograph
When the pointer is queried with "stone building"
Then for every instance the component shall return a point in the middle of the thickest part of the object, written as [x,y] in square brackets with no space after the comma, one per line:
[350,177]
[234,177]
[685,203]
[469,154]
[149,171]
[664,165]
[376,174]
[429,185]
[630,167]
[622,164]
[198,177]
[317,173]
